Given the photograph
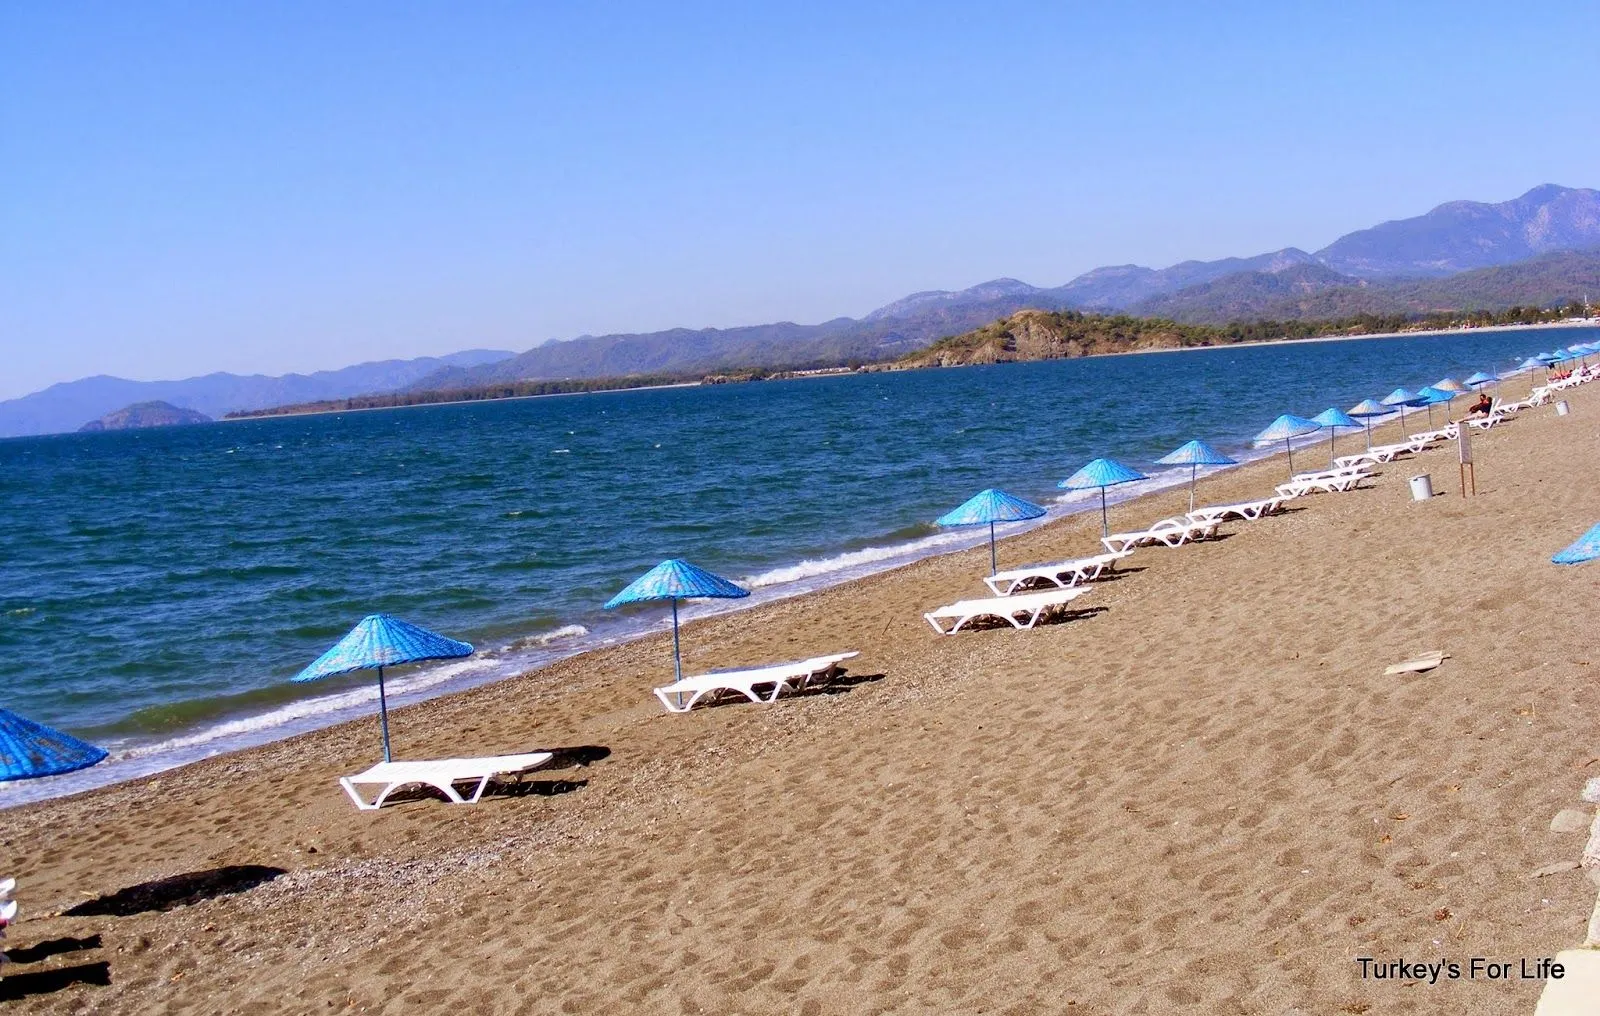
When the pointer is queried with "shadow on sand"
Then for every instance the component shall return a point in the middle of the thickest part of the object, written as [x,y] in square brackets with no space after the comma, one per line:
[176,891]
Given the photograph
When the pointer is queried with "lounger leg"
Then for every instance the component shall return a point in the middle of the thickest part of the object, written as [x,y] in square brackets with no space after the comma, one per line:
[350,788]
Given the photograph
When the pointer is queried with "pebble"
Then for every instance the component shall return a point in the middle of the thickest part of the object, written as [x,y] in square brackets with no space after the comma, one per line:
[1591,790]
[1554,868]
[1569,820]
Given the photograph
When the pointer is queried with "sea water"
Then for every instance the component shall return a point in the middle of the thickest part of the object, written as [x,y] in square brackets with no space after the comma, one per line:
[158,588]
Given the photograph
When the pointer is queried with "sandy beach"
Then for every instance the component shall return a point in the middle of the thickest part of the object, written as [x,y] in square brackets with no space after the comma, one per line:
[1202,794]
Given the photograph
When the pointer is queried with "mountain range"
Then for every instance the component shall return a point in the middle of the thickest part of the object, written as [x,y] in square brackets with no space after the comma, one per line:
[67,406]
[1453,257]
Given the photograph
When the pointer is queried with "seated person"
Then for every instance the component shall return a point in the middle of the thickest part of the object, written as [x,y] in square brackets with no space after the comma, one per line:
[1483,405]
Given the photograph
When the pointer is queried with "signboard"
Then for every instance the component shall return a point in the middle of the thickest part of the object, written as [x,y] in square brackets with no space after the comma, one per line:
[1464,443]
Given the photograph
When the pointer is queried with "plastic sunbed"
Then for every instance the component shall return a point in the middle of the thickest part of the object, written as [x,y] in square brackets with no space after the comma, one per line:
[442,775]
[1030,606]
[781,676]
[1167,532]
[1246,510]
[1062,573]
[1331,481]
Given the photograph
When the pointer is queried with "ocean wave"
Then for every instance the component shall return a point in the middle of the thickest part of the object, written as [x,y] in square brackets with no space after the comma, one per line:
[304,709]
[813,567]
[566,631]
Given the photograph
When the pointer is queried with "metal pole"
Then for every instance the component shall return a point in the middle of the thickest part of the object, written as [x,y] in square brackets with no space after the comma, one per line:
[1194,467]
[1332,433]
[677,667]
[1105,526]
[993,565]
[383,714]
[1290,450]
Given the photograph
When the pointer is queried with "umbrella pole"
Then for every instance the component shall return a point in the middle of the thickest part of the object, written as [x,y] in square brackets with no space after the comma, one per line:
[1332,433]
[383,714]
[677,665]
[1369,433]
[1288,448]
[993,565]
[1193,469]
[1105,525]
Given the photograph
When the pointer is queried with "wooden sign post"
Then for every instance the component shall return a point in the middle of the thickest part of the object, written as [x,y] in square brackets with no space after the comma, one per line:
[1464,445]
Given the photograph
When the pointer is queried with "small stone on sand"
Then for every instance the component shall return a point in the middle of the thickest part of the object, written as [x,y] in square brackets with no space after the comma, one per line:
[1569,820]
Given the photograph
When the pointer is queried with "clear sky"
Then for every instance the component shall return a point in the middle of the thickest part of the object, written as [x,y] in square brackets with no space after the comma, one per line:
[295,186]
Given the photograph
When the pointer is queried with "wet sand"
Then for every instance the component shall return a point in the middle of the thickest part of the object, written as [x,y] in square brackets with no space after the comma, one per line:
[1201,794]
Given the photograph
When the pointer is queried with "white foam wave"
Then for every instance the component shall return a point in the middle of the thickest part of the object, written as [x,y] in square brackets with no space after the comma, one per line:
[813,567]
[292,712]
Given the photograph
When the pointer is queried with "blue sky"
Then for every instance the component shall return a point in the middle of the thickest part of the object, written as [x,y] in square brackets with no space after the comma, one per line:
[296,186]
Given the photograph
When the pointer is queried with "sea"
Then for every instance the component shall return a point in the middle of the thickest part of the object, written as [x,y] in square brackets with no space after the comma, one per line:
[159,588]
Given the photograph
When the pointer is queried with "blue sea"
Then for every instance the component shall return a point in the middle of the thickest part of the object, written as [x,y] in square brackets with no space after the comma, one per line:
[159,588]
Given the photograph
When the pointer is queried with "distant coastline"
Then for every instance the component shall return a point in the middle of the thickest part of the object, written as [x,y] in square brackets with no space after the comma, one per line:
[1162,332]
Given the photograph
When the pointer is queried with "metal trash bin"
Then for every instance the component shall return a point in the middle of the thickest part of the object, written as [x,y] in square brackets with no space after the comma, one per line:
[1421,487]
[1562,409]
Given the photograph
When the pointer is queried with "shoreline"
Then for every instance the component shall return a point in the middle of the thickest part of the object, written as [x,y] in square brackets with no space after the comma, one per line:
[1207,770]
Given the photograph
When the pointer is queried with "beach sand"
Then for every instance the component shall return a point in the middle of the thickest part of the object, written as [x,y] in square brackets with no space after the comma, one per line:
[1203,796]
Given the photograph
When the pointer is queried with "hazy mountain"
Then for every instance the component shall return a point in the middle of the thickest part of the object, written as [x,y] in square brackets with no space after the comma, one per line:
[1317,293]
[1242,296]
[64,407]
[145,414]
[1463,235]
[1124,285]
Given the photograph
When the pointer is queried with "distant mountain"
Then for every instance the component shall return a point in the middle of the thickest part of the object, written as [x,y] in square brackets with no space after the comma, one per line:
[1464,235]
[1317,293]
[1125,285]
[145,414]
[937,299]
[64,407]
[1242,296]
[682,351]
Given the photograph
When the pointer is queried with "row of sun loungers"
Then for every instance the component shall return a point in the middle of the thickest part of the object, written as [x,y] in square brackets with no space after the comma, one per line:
[1167,533]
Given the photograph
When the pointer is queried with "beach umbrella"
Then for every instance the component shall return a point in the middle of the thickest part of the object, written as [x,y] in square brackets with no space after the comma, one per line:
[379,641]
[1331,420]
[1530,365]
[991,506]
[676,580]
[1367,410]
[1449,384]
[1434,396]
[1285,427]
[1195,454]
[1480,378]
[1401,398]
[1101,473]
[29,750]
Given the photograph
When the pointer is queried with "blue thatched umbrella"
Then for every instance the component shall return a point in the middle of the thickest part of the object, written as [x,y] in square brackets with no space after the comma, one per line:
[1283,429]
[1399,399]
[29,750]
[676,580]
[991,506]
[1101,473]
[1332,420]
[1434,397]
[1367,410]
[1194,454]
[382,641]
[1479,379]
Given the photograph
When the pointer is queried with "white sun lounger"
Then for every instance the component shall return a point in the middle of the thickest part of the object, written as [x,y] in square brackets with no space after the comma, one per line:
[442,775]
[1021,611]
[1246,510]
[1446,433]
[1062,573]
[1167,532]
[745,682]
[1330,482]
